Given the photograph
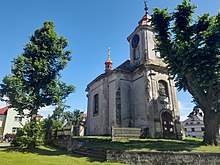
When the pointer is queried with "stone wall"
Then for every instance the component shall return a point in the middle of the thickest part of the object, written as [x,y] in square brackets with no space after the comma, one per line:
[163,158]
[77,145]
[71,144]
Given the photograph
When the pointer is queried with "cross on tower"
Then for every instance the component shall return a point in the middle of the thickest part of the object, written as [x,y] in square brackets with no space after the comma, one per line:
[145,6]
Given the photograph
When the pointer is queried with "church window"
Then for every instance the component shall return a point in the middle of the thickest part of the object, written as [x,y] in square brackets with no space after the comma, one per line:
[134,44]
[163,88]
[136,53]
[96,104]
[118,107]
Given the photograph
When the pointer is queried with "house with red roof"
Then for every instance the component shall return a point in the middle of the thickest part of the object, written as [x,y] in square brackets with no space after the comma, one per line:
[3,112]
[10,121]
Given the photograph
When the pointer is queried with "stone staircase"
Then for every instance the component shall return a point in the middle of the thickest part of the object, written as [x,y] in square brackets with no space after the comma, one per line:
[125,133]
[100,154]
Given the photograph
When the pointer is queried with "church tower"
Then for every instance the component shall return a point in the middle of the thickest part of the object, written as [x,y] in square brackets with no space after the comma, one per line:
[142,42]
[160,105]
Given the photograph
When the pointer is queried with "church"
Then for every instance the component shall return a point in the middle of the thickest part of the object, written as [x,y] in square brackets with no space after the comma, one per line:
[140,93]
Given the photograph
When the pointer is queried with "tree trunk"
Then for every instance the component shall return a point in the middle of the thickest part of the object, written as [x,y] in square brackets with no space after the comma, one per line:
[33,132]
[211,123]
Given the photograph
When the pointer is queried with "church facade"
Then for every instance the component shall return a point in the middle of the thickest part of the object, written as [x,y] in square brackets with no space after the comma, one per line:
[137,94]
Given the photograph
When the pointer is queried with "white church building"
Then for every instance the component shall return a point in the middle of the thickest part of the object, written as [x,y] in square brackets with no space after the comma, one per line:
[140,93]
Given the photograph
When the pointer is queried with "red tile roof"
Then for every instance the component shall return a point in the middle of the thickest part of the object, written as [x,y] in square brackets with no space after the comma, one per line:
[3,110]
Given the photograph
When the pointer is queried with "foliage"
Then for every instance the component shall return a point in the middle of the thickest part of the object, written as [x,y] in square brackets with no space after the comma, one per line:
[191,51]
[53,122]
[29,136]
[74,119]
[1,131]
[10,135]
[35,79]
[60,119]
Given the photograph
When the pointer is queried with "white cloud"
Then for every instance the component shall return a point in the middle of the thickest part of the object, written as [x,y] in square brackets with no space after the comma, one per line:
[45,111]
[2,104]
[185,109]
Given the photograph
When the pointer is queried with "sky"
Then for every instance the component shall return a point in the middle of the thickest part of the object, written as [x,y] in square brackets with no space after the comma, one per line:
[90,26]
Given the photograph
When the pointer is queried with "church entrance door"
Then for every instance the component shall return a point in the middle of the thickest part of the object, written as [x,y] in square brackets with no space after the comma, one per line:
[167,124]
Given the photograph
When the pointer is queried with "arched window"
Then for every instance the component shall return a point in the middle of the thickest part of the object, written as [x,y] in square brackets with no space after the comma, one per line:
[134,43]
[96,104]
[163,88]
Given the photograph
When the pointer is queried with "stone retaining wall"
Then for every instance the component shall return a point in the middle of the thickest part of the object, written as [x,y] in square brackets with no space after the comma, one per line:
[163,158]
[141,157]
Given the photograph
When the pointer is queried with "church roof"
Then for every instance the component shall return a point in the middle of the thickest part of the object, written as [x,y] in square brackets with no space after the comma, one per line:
[97,78]
[145,20]
[125,67]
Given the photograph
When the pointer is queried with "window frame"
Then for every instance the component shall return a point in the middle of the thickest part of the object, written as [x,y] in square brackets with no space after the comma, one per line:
[96,104]
[17,119]
[163,88]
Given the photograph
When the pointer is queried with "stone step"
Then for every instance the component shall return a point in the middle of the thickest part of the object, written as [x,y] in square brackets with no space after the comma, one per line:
[91,152]
[128,135]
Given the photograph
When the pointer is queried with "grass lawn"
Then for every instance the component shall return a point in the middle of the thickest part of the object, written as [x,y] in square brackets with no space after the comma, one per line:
[45,156]
[185,145]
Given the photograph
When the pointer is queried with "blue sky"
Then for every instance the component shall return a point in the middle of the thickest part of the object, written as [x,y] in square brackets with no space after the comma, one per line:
[90,26]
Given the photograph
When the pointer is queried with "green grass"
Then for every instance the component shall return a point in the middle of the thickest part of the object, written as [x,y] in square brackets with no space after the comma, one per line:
[45,156]
[186,145]
[51,156]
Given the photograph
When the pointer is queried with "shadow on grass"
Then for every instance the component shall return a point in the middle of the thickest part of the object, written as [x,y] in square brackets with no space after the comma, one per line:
[51,151]
[136,144]
[149,145]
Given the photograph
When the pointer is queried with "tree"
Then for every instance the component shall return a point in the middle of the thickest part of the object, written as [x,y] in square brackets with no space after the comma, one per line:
[29,136]
[35,79]
[191,50]
[60,119]
[53,122]
[74,119]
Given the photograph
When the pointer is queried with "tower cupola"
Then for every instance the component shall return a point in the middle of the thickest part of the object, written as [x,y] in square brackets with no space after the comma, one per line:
[146,18]
[108,63]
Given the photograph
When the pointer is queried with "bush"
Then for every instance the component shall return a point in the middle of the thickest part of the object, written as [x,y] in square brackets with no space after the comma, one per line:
[30,136]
